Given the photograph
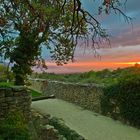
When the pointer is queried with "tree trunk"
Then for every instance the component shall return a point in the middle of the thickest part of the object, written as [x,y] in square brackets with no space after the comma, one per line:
[19,80]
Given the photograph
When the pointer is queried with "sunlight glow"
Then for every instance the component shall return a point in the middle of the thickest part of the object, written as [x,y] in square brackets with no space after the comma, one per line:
[128,63]
[83,66]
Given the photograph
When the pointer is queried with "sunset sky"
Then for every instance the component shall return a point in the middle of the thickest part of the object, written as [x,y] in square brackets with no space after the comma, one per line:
[125,43]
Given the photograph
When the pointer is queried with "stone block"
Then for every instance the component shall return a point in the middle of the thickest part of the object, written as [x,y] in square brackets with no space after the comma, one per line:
[4,104]
[8,93]
[19,88]
[2,93]
[2,99]
[15,99]
[9,99]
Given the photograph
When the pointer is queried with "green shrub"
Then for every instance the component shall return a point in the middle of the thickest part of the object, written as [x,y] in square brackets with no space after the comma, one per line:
[5,74]
[14,127]
[122,100]
[106,77]
[5,84]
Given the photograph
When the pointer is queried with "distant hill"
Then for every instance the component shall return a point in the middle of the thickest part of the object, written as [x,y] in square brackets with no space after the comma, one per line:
[105,76]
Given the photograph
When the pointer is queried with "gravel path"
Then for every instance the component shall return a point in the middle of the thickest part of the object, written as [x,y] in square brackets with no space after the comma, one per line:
[89,124]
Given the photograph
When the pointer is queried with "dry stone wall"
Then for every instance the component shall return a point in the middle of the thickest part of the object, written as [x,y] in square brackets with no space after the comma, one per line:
[15,99]
[87,96]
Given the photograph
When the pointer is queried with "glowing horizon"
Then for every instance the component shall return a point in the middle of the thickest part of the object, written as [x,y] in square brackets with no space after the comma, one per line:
[78,67]
[128,63]
[79,64]
[111,58]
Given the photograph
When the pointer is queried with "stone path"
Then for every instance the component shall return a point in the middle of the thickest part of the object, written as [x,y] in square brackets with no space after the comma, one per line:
[90,125]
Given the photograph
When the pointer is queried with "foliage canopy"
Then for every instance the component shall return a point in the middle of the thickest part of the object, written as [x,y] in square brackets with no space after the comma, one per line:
[122,99]
[26,25]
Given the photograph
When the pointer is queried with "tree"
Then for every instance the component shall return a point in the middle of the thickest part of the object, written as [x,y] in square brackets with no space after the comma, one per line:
[25,25]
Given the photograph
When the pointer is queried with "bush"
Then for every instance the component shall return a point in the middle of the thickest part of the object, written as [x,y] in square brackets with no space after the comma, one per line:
[5,74]
[14,127]
[122,100]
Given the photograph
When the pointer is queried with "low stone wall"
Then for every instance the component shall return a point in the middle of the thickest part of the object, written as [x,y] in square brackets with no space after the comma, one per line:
[52,128]
[86,95]
[38,84]
[15,99]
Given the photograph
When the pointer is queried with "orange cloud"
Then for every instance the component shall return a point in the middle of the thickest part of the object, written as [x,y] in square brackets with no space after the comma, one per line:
[86,66]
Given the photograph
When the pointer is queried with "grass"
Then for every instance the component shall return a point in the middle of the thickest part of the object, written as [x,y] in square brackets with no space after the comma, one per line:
[35,93]
[5,84]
